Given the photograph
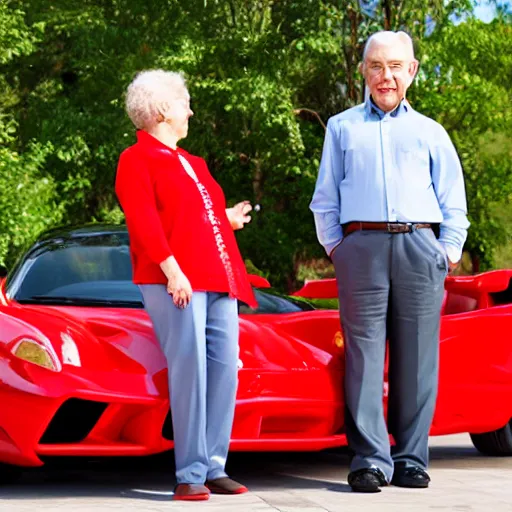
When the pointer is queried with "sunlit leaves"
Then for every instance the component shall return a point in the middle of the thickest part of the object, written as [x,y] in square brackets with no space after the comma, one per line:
[465,84]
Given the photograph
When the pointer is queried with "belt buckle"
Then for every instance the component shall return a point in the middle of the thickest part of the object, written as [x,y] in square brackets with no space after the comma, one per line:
[394,227]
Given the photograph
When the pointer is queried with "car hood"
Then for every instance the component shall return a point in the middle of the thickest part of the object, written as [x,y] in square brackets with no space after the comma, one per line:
[106,339]
[100,339]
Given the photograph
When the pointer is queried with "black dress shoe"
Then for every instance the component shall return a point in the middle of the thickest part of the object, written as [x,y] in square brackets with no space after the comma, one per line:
[367,480]
[410,476]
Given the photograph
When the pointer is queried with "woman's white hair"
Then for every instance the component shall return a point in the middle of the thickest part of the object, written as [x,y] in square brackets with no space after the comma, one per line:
[148,92]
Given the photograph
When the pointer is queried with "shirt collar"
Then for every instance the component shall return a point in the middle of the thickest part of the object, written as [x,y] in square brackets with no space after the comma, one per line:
[402,108]
[146,139]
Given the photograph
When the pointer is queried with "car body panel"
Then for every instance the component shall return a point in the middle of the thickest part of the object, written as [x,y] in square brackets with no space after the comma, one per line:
[110,397]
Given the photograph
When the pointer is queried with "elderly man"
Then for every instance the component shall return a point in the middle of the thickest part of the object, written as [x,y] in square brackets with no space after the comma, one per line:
[387,174]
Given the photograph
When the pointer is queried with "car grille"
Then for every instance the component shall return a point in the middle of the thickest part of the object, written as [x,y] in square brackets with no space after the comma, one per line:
[73,421]
[167,430]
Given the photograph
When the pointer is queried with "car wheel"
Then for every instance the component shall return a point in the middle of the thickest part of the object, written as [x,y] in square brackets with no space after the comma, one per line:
[9,474]
[497,442]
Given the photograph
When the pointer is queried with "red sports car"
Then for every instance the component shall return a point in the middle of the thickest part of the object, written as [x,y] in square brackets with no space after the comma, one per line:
[81,372]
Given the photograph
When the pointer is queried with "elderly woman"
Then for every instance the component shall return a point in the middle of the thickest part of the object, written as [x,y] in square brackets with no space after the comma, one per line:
[189,269]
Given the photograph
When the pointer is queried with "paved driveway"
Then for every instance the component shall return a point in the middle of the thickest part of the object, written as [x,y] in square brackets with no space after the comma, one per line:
[462,480]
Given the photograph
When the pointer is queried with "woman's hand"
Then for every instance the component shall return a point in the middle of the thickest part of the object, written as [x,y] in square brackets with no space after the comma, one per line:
[237,215]
[178,285]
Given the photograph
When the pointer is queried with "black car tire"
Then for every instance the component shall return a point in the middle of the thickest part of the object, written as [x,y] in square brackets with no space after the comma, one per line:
[497,442]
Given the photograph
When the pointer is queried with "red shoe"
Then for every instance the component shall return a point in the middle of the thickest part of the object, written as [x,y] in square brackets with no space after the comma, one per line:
[191,492]
[225,485]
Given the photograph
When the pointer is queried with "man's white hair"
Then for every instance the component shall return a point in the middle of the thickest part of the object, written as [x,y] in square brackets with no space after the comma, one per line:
[388,37]
[148,91]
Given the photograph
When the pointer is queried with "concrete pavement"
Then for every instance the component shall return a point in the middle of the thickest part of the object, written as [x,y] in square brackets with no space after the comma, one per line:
[462,480]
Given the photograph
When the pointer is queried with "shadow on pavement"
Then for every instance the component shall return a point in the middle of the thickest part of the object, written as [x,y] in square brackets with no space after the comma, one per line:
[152,478]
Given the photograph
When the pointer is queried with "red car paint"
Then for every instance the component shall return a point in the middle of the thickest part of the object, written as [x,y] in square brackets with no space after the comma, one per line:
[110,396]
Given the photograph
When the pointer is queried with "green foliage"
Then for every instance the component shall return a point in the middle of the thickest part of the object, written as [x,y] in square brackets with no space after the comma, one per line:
[464,84]
[29,204]
[503,254]
[16,38]
[28,200]
[263,75]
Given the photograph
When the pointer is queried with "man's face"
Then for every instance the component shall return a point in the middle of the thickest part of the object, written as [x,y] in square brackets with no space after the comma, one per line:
[388,70]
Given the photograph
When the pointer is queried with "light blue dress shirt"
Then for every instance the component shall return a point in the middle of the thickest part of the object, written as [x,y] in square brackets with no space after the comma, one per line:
[389,167]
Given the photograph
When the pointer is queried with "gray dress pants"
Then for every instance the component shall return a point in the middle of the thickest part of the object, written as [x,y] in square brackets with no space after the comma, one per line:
[390,286]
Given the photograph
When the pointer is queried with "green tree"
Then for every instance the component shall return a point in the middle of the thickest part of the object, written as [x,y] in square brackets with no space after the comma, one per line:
[264,77]
[464,84]
[27,201]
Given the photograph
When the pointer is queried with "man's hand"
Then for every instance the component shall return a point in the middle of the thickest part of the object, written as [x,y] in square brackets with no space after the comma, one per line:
[237,215]
[451,254]
[452,266]
[178,285]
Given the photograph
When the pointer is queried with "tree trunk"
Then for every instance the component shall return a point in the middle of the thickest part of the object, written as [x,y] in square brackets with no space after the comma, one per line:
[386,6]
[475,263]
[257,180]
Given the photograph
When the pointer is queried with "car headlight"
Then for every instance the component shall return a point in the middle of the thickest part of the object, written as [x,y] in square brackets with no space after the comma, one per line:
[36,353]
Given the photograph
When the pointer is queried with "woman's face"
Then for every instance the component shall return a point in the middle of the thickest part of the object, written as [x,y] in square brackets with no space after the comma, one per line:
[178,113]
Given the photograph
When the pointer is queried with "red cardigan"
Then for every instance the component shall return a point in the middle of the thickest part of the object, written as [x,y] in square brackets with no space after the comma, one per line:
[169,213]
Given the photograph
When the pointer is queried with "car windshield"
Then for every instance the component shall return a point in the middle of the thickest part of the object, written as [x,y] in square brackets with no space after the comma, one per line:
[95,270]
[270,302]
[88,270]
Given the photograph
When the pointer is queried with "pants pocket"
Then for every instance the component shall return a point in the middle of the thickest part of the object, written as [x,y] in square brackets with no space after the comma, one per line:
[434,248]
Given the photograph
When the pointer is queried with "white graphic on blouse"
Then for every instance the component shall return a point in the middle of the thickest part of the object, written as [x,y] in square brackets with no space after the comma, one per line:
[215,223]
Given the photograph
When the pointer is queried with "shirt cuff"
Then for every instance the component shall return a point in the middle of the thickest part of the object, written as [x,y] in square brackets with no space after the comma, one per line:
[454,253]
[328,248]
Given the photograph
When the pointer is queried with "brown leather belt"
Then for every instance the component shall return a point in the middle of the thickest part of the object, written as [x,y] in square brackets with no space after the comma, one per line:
[390,227]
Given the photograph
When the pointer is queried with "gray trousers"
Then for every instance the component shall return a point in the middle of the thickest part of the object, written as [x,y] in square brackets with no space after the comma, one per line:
[390,286]
[200,344]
